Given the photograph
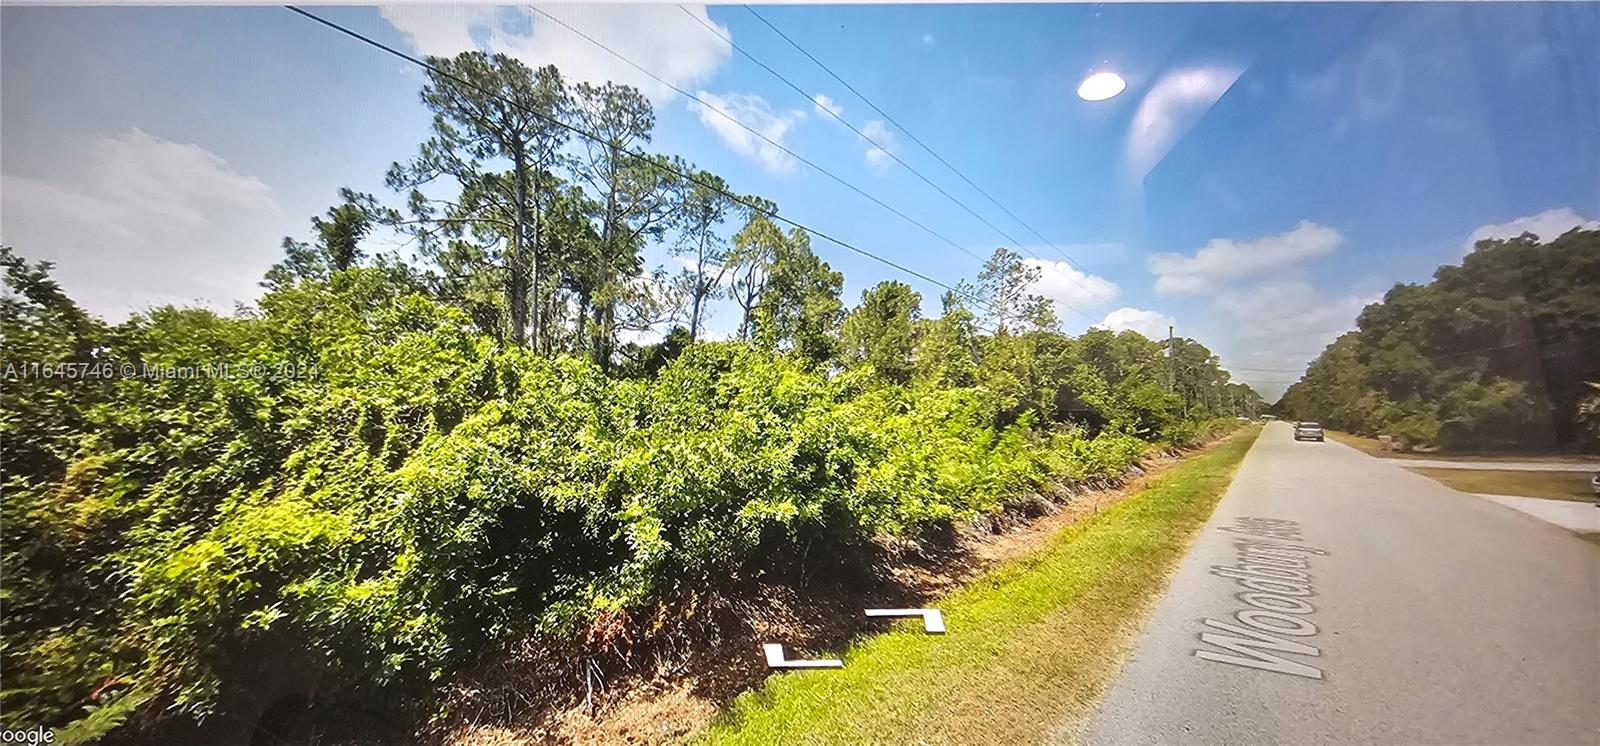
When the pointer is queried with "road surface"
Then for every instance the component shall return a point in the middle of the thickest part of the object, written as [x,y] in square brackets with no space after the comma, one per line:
[1423,463]
[1337,599]
[1583,517]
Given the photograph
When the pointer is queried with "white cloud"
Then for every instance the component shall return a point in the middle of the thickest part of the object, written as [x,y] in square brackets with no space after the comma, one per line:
[1152,324]
[1280,325]
[1547,225]
[879,139]
[143,221]
[757,114]
[659,37]
[440,31]
[1222,259]
[1275,310]
[1069,288]
[876,132]
[826,106]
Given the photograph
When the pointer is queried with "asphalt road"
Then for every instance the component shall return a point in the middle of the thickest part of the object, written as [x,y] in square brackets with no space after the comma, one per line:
[1359,603]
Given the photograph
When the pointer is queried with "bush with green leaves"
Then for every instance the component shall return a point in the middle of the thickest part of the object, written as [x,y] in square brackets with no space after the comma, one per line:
[421,496]
[449,454]
[1494,353]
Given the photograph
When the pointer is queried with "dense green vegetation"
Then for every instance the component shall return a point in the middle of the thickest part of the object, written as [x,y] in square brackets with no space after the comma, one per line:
[414,464]
[1032,642]
[1497,353]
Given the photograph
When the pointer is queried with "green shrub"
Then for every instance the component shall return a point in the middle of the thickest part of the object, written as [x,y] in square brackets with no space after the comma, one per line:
[429,497]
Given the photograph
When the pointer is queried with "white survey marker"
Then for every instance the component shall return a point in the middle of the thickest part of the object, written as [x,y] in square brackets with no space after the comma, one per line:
[932,619]
[776,659]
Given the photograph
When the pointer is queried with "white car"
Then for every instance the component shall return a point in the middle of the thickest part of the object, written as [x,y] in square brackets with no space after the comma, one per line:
[1308,431]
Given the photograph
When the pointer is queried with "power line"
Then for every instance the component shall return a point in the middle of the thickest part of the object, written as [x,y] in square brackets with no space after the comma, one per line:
[886,151]
[757,133]
[920,143]
[1426,355]
[772,214]
[1265,370]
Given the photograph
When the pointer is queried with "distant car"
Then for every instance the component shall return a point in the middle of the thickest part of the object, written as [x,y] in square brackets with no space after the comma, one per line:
[1308,431]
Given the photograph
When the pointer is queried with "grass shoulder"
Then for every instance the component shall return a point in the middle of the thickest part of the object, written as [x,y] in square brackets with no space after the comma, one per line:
[1032,644]
[1374,447]
[1553,485]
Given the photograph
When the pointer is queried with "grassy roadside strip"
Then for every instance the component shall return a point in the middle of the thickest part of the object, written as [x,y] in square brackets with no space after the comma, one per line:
[1362,443]
[1374,447]
[1030,644]
[1551,485]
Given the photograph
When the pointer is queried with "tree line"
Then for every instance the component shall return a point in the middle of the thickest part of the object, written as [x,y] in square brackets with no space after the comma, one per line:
[472,454]
[532,201]
[1499,352]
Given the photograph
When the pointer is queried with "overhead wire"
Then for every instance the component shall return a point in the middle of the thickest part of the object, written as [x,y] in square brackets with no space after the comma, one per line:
[1265,370]
[909,134]
[655,163]
[1444,356]
[758,133]
[891,154]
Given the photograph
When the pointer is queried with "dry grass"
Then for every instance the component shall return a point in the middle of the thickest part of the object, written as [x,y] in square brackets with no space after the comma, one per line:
[1554,485]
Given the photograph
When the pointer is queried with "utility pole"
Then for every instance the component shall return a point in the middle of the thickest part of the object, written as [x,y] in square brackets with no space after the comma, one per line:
[1172,377]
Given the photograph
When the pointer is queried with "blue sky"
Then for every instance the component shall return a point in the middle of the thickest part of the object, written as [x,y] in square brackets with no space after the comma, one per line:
[1269,169]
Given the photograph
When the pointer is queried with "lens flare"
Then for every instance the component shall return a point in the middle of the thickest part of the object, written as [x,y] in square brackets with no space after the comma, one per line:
[1101,86]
